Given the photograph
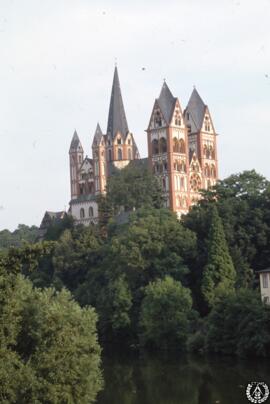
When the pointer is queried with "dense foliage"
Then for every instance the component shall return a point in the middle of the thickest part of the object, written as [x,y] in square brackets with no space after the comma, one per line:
[48,344]
[16,238]
[168,303]
[159,282]
[219,273]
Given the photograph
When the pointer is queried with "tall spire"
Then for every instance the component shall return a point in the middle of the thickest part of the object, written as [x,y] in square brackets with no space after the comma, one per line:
[117,121]
[75,142]
[196,110]
[166,102]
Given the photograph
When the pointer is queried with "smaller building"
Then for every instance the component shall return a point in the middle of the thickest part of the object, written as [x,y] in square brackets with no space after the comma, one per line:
[49,219]
[265,285]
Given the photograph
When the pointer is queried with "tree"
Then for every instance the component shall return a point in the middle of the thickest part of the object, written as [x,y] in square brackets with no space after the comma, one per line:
[75,253]
[219,274]
[239,324]
[16,238]
[133,188]
[165,311]
[48,344]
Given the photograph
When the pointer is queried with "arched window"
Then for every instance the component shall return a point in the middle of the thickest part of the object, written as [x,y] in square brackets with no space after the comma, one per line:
[163,145]
[182,146]
[129,154]
[110,155]
[82,214]
[182,166]
[182,183]
[212,152]
[158,120]
[91,211]
[206,170]
[119,154]
[91,187]
[175,145]
[164,183]
[208,154]
[213,170]
[154,146]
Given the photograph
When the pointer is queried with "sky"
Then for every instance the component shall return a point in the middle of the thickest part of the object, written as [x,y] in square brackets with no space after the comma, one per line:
[56,71]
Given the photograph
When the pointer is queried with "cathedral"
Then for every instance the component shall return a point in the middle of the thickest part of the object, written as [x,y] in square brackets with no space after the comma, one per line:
[182,153]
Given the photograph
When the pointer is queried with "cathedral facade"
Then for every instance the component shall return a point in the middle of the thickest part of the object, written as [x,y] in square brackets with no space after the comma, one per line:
[182,153]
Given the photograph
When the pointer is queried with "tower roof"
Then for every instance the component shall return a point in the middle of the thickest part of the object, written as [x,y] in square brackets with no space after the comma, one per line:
[166,102]
[196,108]
[98,135]
[75,142]
[117,121]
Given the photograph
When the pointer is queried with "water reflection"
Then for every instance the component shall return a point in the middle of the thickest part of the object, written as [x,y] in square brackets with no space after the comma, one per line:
[148,379]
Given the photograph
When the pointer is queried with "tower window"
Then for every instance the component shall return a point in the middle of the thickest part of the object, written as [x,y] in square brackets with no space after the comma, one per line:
[91,211]
[182,146]
[154,146]
[158,120]
[119,154]
[110,155]
[82,214]
[119,141]
[163,145]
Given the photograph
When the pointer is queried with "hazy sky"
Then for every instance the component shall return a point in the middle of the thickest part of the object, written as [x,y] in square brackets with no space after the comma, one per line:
[57,61]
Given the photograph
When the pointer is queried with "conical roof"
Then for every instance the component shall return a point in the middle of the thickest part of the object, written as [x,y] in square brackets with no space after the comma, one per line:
[75,142]
[98,135]
[166,102]
[196,109]
[117,121]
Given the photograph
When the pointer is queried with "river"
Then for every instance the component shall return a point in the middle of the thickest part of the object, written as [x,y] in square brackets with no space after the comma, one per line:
[174,379]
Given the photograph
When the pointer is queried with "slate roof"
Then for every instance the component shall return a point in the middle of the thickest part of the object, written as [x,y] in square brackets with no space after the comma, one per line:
[75,142]
[83,198]
[166,102]
[117,121]
[196,109]
[143,163]
[98,134]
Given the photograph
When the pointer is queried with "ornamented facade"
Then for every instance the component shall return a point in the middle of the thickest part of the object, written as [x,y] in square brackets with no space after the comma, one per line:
[182,153]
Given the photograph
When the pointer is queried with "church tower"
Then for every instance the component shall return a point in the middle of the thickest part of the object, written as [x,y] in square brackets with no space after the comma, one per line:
[202,145]
[99,161]
[121,147]
[75,162]
[167,150]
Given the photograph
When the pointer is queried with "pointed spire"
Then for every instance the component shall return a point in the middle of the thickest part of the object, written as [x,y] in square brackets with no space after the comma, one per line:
[196,110]
[75,142]
[117,118]
[166,102]
[97,136]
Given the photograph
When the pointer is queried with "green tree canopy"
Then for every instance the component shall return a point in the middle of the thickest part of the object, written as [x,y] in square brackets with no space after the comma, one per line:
[239,324]
[219,273]
[48,344]
[165,312]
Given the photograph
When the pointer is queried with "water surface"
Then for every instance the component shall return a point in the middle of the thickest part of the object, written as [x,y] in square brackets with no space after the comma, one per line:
[174,379]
